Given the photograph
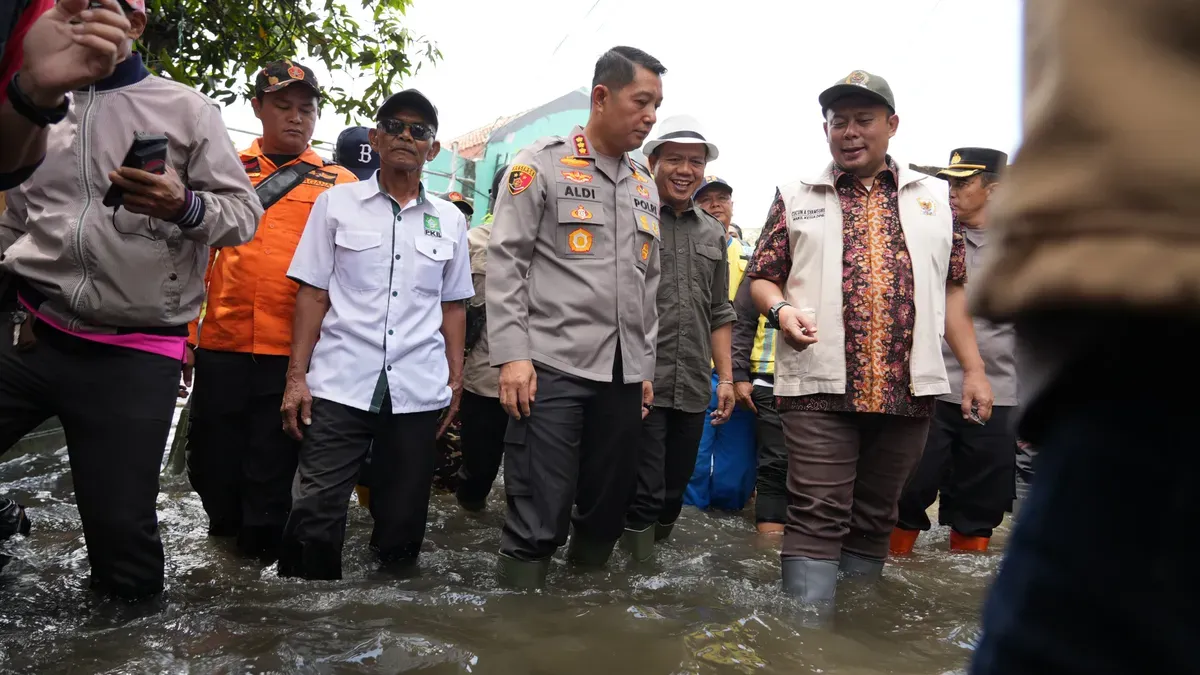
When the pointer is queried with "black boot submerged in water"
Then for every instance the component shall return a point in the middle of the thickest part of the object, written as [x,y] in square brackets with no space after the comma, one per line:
[13,519]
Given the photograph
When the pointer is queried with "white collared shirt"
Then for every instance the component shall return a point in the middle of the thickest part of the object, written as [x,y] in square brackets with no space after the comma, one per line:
[387,269]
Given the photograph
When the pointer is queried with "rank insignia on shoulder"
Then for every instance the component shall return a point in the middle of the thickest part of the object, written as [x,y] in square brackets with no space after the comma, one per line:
[520,177]
[581,146]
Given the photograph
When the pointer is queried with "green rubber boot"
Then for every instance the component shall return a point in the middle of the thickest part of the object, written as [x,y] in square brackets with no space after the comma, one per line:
[589,553]
[663,532]
[522,575]
[639,543]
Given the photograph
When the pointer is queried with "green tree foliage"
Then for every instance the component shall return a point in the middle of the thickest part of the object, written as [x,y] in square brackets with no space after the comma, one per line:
[218,45]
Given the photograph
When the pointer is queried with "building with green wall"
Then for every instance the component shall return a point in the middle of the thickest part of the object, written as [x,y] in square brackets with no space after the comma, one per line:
[468,163]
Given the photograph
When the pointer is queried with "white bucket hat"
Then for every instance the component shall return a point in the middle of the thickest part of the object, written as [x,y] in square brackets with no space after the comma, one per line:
[680,129]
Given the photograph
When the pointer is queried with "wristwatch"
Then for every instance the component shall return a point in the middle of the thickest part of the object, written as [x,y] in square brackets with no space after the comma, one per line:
[773,313]
[31,111]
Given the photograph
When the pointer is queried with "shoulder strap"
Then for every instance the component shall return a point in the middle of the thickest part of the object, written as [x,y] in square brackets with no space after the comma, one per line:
[282,181]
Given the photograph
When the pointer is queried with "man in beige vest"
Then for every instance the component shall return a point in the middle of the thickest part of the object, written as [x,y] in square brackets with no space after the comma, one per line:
[866,254]
[1097,260]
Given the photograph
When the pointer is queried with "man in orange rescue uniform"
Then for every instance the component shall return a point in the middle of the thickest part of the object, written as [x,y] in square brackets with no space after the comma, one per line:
[240,462]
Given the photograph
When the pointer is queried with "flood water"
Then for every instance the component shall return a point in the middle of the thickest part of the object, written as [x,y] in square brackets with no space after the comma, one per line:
[708,603]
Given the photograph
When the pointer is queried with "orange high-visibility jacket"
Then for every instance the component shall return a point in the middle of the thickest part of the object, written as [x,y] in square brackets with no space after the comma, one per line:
[250,299]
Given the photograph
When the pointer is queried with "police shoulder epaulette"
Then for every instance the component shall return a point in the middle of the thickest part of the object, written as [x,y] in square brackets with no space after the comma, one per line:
[639,166]
[546,142]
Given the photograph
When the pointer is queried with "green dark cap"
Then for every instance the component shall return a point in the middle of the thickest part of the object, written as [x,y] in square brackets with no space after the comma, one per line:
[859,83]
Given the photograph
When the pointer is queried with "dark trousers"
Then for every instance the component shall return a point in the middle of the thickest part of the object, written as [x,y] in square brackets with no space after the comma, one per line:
[116,405]
[667,457]
[403,456]
[1099,576]
[974,468]
[845,474]
[579,446]
[240,461]
[483,425]
[770,506]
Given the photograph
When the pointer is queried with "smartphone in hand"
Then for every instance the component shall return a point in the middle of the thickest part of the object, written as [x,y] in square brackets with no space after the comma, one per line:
[148,153]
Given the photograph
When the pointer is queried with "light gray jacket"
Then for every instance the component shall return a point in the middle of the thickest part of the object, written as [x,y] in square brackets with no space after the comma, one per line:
[100,269]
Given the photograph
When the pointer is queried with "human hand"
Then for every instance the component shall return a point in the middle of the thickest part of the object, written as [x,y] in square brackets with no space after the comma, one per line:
[150,194]
[725,401]
[647,397]
[744,393]
[977,395]
[518,388]
[70,47]
[798,328]
[297,406]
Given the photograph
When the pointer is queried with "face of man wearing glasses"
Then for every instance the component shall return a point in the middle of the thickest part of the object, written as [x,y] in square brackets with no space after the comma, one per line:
[404,141]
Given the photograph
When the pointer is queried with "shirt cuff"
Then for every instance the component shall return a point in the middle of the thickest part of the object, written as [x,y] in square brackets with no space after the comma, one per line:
[192,213]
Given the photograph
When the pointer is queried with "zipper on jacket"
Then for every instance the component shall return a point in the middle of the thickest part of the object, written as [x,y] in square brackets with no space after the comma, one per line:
[84,155]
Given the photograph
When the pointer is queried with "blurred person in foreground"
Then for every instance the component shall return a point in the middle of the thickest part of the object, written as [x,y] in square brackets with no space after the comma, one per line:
[106,294]
[48,50]
[1097,261]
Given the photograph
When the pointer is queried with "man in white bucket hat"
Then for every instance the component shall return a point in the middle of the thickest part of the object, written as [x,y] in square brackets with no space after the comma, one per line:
[695,327]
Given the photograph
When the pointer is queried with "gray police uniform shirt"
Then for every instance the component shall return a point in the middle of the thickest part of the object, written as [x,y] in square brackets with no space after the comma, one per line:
[572,265]
[693,301]
[997,342]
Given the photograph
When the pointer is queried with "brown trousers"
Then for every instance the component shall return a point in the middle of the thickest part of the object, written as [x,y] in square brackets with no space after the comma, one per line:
[845,475]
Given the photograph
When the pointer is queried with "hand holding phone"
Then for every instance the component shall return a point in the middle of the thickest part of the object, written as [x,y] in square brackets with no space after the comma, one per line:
[147,153]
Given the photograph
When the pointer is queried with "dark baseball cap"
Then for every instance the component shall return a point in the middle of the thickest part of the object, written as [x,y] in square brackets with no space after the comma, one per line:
[457,199]
[966,162]
[279,74]
[410,99]
[859,83]
[710,181]
[353,151]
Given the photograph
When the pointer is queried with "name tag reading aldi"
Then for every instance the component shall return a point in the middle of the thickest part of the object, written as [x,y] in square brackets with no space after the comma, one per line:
[520,177]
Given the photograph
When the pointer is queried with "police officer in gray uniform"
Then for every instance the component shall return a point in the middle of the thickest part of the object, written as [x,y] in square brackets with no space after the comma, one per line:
[572,277]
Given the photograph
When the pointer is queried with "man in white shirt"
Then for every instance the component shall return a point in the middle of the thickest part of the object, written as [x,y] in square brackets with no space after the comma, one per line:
[383,269]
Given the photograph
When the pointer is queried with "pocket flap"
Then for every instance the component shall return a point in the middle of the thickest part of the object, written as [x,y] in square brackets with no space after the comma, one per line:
[435,248]
[358,240]
[708,251]
[571,211]
[648,224]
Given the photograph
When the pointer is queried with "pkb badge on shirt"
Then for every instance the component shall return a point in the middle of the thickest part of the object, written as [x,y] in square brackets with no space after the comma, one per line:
[433,226]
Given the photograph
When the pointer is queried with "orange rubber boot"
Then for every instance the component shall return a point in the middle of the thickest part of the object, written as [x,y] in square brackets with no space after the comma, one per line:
[902,541]
[961,543]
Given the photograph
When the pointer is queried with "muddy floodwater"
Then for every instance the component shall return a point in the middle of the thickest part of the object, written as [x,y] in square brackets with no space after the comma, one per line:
[708,603]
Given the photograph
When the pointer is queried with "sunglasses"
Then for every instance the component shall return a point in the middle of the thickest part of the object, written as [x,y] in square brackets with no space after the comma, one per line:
[420,130]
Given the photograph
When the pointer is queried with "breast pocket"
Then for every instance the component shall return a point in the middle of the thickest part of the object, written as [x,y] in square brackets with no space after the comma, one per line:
[648,236]
[704,268]
[582,231]
[358,258]
[429,264]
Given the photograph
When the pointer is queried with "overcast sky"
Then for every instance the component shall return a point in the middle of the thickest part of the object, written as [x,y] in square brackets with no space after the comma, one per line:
[750,70]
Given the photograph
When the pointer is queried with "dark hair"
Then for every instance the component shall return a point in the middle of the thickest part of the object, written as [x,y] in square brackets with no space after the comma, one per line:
[988,178]
[615,69]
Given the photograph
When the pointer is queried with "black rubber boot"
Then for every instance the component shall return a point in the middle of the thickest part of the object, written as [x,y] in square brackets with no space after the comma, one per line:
[813,583]
[639,543]
[522,575]
[13,519]
[663,532]
[584,552]
[854,566]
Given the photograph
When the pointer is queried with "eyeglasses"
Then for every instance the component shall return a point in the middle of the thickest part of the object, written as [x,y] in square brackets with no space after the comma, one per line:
[420,130]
